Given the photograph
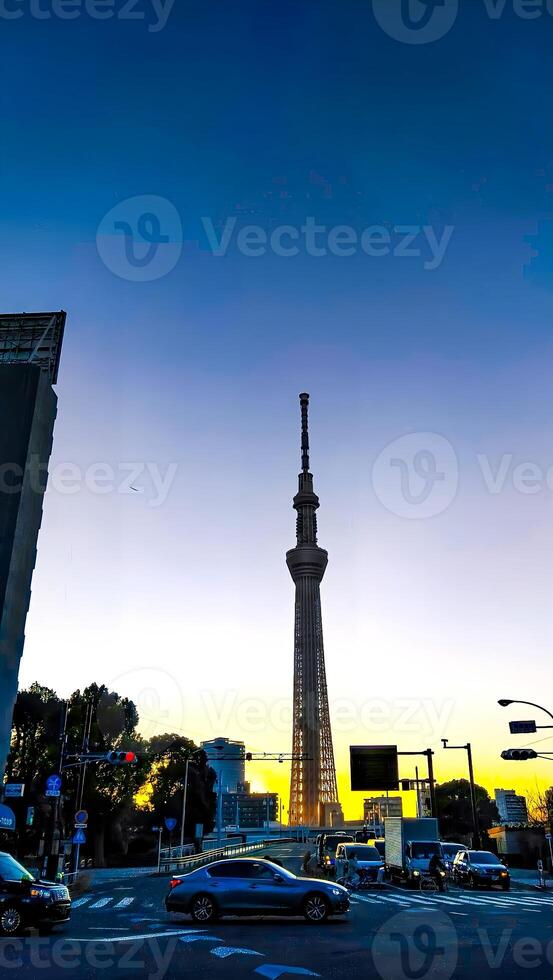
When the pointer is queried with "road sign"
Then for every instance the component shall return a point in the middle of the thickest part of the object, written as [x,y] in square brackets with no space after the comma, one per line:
[522,727]
[7,818]
[14,790]
[170,823]
[374,767]
[79,837]
[81,818]
[53,785]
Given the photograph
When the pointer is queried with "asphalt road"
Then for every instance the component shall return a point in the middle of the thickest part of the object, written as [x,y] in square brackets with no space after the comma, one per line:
[121,930]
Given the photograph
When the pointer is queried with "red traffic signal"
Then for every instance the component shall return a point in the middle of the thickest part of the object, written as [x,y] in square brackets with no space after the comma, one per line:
[121,758]
[519,755]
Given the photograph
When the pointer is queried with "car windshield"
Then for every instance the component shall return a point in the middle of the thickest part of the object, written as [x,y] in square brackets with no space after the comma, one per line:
[363,852]
[450,850]
[483,857]
[331,843]
[12,870]
[424,849]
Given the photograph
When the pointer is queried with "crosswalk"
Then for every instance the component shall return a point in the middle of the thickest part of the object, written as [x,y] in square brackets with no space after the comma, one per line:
[493,901]
[390,899]
[109,902]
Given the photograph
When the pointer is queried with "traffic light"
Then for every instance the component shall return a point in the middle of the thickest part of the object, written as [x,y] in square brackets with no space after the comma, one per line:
[121,758]
[519,755]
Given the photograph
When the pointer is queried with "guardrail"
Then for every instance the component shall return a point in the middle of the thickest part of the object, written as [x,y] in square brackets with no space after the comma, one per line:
[185,864]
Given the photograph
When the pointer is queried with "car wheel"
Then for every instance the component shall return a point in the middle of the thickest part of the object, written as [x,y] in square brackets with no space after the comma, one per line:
[10,921]
[203,909]
[506,886]
[315,908]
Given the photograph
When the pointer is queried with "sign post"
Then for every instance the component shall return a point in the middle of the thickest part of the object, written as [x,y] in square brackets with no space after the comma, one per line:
[53,785]
[170,823]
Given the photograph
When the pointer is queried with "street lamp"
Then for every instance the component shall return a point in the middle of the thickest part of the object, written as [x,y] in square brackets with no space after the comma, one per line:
[468,749]
[505,702]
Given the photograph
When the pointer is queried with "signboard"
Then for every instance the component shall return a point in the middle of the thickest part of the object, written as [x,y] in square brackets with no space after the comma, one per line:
[30,818]
[374,767]
[522,727]
[7,818]
[170,823]
[79,837]
[53,785]
[14,790]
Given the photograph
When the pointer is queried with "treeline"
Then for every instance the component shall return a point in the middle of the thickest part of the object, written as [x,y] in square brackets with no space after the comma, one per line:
[123,802]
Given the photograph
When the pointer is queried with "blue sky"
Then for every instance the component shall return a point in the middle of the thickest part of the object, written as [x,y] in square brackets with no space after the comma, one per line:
[272,113]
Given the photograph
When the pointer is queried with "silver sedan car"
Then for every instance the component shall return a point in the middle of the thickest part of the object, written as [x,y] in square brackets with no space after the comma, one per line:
[245,886]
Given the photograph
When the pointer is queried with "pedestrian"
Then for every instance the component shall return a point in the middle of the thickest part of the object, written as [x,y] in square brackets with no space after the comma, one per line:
[305,862]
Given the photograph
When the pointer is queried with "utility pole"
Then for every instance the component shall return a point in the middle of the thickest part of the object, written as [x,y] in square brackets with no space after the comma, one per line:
[475,822]
[82,773]
[51,858]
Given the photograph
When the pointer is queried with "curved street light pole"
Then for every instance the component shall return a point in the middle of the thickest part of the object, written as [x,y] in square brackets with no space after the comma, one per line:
[505,702]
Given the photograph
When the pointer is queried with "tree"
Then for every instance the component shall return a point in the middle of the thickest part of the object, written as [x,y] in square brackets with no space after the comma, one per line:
[540,807]
[162,794]
[109,790]
[455,810]
[35,745]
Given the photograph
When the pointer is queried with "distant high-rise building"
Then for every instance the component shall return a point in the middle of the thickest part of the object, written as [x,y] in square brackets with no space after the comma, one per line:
[313,782]
[30,346]
[512,807]
[228,759]
[377,808]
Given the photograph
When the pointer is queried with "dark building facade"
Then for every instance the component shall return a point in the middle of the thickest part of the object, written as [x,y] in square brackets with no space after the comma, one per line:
[29,356]
[247,810]
[313,782]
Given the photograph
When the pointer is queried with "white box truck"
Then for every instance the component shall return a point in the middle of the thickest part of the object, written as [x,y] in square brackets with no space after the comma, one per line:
[410,844]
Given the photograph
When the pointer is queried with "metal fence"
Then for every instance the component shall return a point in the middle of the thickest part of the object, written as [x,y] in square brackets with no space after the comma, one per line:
[185,864]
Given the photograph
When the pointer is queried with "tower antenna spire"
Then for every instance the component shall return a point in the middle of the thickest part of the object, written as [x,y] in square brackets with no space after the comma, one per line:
[304,402]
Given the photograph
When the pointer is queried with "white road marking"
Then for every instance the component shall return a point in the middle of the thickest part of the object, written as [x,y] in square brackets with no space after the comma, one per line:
[125,902]
[223,951]
[194,938]
[101,903]
[80,901]
[132,939]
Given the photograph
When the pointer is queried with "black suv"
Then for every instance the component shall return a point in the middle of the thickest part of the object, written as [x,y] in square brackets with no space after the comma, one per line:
[480,868]
[25,901]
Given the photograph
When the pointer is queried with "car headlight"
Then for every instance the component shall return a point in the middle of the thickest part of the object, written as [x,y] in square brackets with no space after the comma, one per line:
[40,893]
[503,874]
[416,874]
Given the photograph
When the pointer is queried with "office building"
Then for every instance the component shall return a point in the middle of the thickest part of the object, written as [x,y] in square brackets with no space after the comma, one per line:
[377,808]
[30,347]
[512,807]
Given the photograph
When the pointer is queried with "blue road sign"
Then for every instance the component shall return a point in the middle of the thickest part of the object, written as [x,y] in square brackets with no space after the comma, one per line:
[79,837]
[7,818]
[170,823]
[53,785]
[81,818]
